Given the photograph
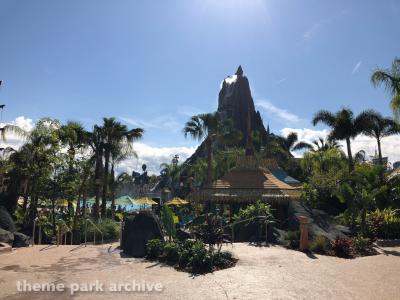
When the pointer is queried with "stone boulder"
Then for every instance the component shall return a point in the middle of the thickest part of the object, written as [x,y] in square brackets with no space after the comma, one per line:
[6,222]
[6,236]
[21,240]
[138,230]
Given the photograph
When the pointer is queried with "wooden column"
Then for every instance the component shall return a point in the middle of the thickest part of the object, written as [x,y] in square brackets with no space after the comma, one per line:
[303,233]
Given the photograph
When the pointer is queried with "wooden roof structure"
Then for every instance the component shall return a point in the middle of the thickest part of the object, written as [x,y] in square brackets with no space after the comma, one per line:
[249,181]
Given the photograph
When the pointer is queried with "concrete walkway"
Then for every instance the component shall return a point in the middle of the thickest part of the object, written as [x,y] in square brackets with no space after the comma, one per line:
[261,273]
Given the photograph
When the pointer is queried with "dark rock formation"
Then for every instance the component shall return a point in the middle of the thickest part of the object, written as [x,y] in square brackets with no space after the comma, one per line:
[138,230]
[6,222]
[6,236]
[21,240]
[236,103]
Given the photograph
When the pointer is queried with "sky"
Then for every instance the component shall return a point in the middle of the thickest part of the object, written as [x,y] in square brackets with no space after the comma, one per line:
[153,64]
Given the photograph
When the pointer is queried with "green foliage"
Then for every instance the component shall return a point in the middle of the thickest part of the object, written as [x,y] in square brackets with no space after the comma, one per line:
[154,248]
[342,247]
[167,220]
[362,245]
[109,228]
[189,255]
[209,229]
[293,237]
[258,209]
[320,244]
[384,223]
[171,252]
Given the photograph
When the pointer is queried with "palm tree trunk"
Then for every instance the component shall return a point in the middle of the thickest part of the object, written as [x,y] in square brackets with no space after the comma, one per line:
[105,184]
[113,192]
[350,155]
[379,151]
[209,161]
[99,166]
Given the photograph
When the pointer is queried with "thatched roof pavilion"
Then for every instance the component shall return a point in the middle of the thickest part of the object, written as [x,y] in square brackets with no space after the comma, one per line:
[249,181]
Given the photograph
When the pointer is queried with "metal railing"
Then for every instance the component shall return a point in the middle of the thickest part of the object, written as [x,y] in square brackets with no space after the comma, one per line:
[94,232]
[61,232]
[267,221]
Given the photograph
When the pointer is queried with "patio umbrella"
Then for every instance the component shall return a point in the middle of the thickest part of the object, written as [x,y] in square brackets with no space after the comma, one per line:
[144,201]
[124,200]
[63,202]
[177,201]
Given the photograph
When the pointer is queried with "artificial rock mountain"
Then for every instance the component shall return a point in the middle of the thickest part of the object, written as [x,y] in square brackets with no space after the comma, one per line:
[236,103]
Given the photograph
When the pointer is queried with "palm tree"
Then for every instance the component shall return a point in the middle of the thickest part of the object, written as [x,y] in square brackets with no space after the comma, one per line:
[96,143]
[344,126]
[291,143]
[390,78]
[321,144]
[115,136]
[211,128]
[11,129]
[379,127]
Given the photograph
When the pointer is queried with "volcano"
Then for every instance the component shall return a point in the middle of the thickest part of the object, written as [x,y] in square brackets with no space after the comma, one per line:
[236,103]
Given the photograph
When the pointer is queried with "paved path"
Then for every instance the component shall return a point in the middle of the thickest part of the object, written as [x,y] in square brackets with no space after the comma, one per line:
[261,273]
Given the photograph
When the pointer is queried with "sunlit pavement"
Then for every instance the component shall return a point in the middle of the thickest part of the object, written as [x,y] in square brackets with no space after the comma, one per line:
[261,273]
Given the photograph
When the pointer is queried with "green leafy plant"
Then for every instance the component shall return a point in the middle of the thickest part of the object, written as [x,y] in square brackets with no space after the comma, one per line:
[171,252]
[362,245]
[320,244]
[154,248]
[293,237]
[168,221]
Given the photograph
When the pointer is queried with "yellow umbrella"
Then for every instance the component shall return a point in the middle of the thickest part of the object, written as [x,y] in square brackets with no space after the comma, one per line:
[145,200]
[62,202]
[177,201]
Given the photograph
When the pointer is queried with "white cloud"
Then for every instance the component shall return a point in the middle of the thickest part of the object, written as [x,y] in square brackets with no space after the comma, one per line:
[13,140]
[390,145]
[161,123]
[153,157]
[280,113]
[356,67]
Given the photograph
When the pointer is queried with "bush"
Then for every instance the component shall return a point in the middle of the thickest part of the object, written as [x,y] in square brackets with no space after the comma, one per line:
[362,245]
[293,236]
[189,255]
[384,223]
[320,244]
[154,248]
[223,259]
[171,252]
[201,260]
[109,228]
[342,247]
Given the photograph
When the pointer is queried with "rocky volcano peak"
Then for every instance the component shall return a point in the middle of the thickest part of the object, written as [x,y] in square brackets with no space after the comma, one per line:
[236,103]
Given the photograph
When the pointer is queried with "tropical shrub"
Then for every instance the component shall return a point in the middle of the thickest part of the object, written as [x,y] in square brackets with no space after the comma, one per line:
[167,220]
[320,244]
[362,245]
[189,255]
[384,223]
[109,228]
[342,247]
[171,252]
[154,248]
[293,237]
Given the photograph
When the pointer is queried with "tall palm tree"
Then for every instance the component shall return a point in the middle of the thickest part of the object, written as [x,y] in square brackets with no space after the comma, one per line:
[379,127]
[344,126]
[11,129]
[390,78]
[115,136]
[211,128]
[291,143]
[321,144]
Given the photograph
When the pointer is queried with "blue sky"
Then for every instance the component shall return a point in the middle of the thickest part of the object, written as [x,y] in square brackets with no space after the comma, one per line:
[154,63]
